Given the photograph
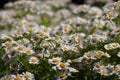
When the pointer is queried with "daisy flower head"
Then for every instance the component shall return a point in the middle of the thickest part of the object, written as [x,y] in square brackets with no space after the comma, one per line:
[6,77]
[9,48]
[29,51]
[20,48]
[98,54]
[97,66]
[112,15]
[111,46]
[35,38]
[62,65]
[14,65]
[78,39]
[55,60]
[65,47]
[33,60]
[62,76]
[17,77]
[88,55]
[42,34]
[107,47]
[28,76]
[25,41]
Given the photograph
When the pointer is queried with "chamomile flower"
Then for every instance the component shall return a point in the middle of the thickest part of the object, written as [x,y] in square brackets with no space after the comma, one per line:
[62,65]
[65,47]
[103,72]
[20,48]
[55,60]
[107,47]
[111,46]
[29,51]
[78,39]
[6,77]
[17,77]
[42,34]
[14,65]
[25,41]
[97,66]
[33,60]
[9,48]
[35,38]
[28,76]
[62,76]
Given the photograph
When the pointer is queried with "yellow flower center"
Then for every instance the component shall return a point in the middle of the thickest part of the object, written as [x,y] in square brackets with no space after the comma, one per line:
[98,65]
[30,30]
[65,29]
[37,54]
[28,52]
[73,60]
[63,75]
[62,65]
[110,15]
[78,39]
[45,30]
[96,55]
[7,78]
[108,47]
[101,39]
[20,48]
[55,60]
[114,45]
[26,76]
[34,60]
[41,34]
[17,78]
[24,41]
[102,72]
[10,48]
[65,48]
[88,55]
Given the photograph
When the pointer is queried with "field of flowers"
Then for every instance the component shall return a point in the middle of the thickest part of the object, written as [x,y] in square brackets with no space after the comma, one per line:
[58,40]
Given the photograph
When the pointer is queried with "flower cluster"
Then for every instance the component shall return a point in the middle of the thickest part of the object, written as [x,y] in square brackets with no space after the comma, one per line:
[24,76]
[52,41]
[112,46]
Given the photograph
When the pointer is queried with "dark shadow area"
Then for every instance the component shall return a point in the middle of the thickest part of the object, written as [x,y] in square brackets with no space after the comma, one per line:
[3,2]
[78,1]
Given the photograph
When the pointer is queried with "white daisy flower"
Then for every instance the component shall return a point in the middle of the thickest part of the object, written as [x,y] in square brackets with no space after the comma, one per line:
[17,77]
[28,76]
[62,65]
[29,51]
[55,60]
[33,60]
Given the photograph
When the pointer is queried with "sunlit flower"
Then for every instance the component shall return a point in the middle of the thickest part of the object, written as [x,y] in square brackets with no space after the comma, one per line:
[33,60]
[17,77]
[28,76]
[62,65]
[55,60]
[29,51]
